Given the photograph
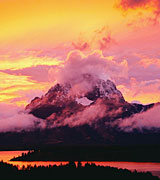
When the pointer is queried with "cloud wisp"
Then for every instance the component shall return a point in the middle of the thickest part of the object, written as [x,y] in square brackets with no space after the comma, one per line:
[13,118]
[146,120]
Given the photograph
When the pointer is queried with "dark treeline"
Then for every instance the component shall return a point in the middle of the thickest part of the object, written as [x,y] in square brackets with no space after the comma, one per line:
[71,171]
[93,153]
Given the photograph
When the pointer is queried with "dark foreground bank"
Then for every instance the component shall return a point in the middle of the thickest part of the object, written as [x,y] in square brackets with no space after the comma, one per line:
[71,171]
[93,153]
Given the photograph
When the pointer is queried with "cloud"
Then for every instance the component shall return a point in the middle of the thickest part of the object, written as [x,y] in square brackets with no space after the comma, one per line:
[126,4]
[144,91]
[78,64]
[16,61]
[145,4]
[19,88]
[82,46]
[37,73]
[147,61]
[88,115]
[149,119]
[106,42]
[142,82]
[13,118]
[101,39]
[145,120]
[134,73]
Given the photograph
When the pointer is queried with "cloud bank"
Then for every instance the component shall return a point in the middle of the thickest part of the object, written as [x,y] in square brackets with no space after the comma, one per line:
[145,120]
[89,115]
[94,63]
[13,118]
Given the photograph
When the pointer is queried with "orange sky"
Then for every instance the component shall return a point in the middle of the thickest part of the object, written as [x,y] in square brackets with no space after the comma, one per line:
[37,35]
[30,22]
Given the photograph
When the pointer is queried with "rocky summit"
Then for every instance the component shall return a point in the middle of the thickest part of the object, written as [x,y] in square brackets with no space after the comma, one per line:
[92,95]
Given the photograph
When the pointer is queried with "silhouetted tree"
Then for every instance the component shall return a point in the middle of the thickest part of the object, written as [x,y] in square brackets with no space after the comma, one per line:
[89,171]
[72,164]
[79,164]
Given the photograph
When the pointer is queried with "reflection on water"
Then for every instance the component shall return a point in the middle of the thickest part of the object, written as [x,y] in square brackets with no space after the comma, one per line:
[154,168]
[7,155]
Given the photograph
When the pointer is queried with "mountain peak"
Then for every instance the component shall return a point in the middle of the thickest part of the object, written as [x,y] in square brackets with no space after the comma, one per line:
[62,93]
[59,87]
[77,95]
[105,89]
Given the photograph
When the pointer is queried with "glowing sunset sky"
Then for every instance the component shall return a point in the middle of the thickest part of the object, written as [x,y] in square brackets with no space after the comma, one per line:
[37,36]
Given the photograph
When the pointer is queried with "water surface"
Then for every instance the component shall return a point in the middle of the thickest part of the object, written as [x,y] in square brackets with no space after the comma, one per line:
[152,167]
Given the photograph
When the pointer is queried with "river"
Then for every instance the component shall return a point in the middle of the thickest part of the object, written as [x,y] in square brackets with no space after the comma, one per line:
[154,168]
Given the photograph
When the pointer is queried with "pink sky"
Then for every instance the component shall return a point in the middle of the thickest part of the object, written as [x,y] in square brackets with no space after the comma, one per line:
[33,46]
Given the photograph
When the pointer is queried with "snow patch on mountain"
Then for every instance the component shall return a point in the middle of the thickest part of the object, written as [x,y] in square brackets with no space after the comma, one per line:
[84,101]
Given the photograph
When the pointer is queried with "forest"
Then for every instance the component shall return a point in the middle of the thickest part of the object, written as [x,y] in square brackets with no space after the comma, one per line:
[71,171]
[93,153]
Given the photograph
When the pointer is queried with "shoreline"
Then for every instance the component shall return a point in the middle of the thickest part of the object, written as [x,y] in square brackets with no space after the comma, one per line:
[84,161]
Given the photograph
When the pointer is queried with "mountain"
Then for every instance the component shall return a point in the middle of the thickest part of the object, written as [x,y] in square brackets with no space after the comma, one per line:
[81,113]
[60,97]
[62,101]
